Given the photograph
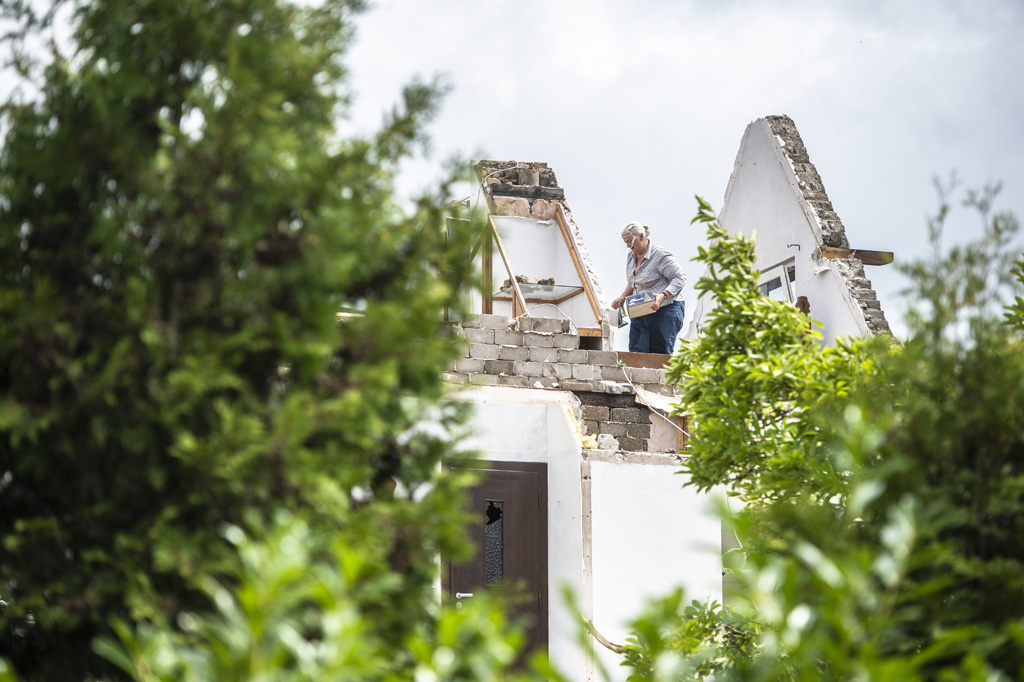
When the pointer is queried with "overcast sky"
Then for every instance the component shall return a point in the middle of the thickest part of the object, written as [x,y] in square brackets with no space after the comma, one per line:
[639,105]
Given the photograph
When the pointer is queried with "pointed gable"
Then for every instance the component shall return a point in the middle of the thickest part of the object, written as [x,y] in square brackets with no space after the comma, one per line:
[776,195]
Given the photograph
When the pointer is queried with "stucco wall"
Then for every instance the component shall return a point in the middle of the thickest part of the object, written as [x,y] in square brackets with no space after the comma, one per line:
[764,200]
[647,534]
[650,535]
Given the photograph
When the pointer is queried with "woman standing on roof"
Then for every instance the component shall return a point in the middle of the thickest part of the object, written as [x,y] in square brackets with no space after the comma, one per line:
[652,269]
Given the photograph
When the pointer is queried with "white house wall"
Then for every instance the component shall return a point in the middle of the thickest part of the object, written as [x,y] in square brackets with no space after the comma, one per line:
[528,425]
[647,534]
[763,200]
[650,535]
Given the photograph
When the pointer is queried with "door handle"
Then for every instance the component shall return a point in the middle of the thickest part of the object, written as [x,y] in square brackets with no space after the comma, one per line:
[463,595]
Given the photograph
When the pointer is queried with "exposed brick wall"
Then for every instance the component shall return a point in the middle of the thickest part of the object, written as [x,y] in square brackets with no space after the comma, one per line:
[833,233]
[852,271]
[536,352]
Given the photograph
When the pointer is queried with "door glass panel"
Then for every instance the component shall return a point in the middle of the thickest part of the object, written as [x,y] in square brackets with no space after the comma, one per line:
[494,542]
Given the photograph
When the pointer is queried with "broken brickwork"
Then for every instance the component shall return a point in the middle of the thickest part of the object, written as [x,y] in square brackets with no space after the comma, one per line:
[545,353]
[833,233]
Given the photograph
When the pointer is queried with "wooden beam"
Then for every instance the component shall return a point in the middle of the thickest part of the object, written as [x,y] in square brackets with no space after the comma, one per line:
[487,258]
[571,245]
[863,255]
[518,302]
[682,440]
[588,331]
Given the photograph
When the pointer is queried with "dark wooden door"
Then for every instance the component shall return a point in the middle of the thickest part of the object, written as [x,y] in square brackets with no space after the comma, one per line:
[509,508]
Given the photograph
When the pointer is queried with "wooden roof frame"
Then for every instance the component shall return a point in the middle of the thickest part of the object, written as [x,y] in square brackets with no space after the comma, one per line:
[570,244]
[519,301]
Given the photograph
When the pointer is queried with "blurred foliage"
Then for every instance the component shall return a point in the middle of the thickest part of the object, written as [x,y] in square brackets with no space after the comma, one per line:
[290,615]
[180,224]
[894,546]
[699,639]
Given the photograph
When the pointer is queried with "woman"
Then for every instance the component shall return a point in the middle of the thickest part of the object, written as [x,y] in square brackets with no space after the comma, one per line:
[652,269]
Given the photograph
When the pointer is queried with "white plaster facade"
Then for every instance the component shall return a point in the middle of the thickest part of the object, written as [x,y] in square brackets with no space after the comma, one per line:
[768,199]
[621,527]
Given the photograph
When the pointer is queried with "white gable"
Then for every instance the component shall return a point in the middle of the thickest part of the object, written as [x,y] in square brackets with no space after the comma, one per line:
[776,196]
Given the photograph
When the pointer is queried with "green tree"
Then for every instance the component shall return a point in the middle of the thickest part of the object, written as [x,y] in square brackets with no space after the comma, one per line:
[894,550]
[180,224]
[753,382]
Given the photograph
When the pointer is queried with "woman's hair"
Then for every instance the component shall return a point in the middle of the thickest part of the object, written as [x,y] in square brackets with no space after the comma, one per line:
[635,230]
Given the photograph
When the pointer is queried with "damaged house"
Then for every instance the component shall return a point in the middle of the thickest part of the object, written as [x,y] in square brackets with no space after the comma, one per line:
[581,485]
[776,195]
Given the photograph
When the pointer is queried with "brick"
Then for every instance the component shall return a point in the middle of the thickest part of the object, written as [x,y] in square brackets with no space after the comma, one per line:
[529,369]
[547,325]
[573,357]
[517,381]
[543,209]
[638,430]
[660,389]
[524,323]
[502,337]
[513,353]
[585,372]
[483,351]
[603,357]
[498,366]
[595,412]
[535,339]
[538,354]
[452,378]
[573,385]
[544,382]
[553,369]
[512,206]
[590,428]
[630,444]
[863,294]
[613,374]
[642,375]
[634,415]
[483,379]
[611,387]
[480,335]
[612,428]
[469,365]
[569,341]
[493,322]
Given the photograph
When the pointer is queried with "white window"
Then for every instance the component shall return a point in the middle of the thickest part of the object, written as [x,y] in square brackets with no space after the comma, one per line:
[778,282]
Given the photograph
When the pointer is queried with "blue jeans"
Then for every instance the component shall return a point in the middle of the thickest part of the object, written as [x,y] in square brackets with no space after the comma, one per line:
[657,332]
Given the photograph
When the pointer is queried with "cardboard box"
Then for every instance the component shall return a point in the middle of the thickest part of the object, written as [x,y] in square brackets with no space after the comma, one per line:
[640,305]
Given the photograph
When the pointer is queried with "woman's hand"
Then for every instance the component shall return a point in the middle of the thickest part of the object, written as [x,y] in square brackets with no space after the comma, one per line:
[659,299]
[617,303]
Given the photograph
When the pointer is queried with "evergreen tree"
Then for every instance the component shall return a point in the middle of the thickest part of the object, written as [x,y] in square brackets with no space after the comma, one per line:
[180,225]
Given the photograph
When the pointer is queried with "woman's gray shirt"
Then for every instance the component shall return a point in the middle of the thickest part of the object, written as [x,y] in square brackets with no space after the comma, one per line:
[659,271]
